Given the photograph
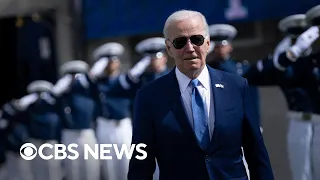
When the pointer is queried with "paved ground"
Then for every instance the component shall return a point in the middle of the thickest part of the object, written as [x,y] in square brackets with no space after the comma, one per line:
[275,124]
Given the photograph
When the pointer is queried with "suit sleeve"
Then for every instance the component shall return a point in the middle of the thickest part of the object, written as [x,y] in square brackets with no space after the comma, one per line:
[142,133]
[253,144]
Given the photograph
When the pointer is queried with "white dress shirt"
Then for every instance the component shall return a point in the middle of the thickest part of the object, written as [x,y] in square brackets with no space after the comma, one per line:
[204,88]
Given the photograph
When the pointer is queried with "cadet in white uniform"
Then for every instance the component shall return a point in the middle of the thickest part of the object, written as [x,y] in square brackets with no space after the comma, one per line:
[79,102]
[114,124]
[14,132]
[298,102]
[44,127]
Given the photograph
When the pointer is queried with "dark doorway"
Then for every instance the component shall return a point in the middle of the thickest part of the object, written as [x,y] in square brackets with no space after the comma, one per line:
[8,63]
[27,49]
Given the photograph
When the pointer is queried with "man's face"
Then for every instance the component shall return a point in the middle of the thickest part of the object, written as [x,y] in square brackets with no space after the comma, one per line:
[221,50]
[158,63]
[187,33]
[113,65]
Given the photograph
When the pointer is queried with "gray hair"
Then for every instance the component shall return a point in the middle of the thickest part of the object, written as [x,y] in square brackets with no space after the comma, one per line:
[184,14]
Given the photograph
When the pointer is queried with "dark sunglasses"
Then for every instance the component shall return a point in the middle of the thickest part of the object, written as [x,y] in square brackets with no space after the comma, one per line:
[180,42]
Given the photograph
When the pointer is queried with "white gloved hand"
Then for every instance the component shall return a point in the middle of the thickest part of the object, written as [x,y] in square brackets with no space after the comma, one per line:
[98,68]
[62,86]
[303,42]
[283,45]
[139,68]
[25,101]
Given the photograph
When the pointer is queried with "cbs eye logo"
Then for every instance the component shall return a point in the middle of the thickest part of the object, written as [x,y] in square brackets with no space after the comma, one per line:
[28,151]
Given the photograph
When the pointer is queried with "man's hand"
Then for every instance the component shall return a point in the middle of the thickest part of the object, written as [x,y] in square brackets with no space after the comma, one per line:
[62,86]
[139,68]
[98,68]
[26,101]
[303,42]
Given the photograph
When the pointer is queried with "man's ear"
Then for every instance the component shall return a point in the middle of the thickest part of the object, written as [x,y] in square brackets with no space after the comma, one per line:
[168,48]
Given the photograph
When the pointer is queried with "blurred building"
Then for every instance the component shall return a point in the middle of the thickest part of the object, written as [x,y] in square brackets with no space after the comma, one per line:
[35,37]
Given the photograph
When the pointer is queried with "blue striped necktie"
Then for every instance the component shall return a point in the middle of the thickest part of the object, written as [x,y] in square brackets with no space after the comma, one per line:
[199,116]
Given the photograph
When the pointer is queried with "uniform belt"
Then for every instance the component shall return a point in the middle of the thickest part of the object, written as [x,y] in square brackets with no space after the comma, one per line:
[304,116]
[113,121]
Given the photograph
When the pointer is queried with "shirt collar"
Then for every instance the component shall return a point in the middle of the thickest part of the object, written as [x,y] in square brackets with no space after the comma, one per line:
[184,80]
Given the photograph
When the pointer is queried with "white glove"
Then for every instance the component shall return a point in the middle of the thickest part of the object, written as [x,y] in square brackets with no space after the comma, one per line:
[25,101]
[62,86]
[98,68]
[283,45]
[303,42]
[139,68]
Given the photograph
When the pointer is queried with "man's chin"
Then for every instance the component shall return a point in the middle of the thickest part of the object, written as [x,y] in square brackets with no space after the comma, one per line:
[155,69]
[194,68]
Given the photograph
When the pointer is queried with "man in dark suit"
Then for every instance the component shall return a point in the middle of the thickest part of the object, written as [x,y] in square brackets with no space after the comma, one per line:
[195,119]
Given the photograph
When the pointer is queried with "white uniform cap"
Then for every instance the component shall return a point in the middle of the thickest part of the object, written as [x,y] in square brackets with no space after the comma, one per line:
[75,66]
[151,45]
[108,49]
[293,21]
[312,14]
[39,86]
[220,32]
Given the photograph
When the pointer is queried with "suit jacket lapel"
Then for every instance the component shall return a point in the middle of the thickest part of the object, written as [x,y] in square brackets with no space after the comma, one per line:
[219,94]
[178,107]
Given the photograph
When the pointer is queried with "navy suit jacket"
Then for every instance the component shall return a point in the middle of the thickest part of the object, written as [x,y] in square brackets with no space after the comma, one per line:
[161,123]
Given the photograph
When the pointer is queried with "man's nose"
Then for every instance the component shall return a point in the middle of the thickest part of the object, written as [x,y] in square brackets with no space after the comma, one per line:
[189,46]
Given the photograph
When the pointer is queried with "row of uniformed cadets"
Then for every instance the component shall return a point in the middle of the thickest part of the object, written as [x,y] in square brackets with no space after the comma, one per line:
[222,36]
[303,140]
[68,111]
[295,68]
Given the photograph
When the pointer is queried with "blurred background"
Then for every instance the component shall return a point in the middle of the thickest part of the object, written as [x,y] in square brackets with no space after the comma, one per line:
[37,36]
